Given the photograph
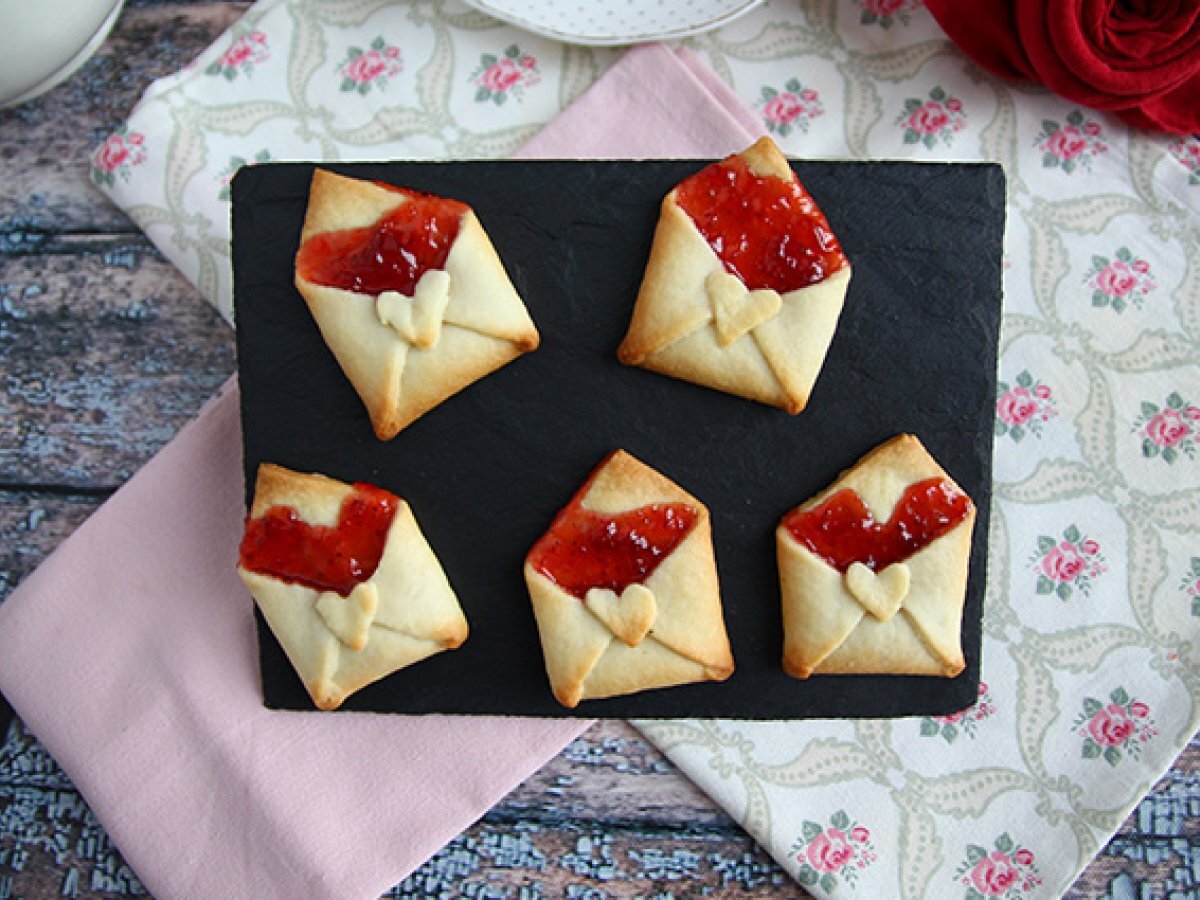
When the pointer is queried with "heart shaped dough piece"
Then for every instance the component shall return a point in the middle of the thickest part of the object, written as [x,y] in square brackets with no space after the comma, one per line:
[628,616]
[880,593]
[417,319]
[350,617]
[736,310]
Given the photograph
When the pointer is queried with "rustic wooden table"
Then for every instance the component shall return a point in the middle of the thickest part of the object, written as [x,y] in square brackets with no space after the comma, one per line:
[106,351]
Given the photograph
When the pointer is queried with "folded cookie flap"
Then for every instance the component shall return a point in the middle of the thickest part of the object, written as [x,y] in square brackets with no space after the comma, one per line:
[745,283]
[345,580]
[624,588]
[409,294]
[873,570]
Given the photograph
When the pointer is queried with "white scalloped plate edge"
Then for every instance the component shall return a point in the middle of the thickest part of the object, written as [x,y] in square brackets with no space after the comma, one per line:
[601,24]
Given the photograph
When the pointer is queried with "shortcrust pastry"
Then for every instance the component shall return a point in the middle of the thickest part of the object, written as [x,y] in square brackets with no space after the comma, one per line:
[408,293]
[346,581]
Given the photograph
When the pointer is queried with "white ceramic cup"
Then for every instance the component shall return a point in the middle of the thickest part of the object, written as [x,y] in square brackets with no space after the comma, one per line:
[43,41]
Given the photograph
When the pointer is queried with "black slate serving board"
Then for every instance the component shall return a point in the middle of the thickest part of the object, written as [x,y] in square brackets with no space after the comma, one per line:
[486,471]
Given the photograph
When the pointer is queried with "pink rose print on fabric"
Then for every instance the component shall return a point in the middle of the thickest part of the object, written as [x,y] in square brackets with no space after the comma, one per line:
[950,728]
[364,70]
[1186,151]
[1168,431]
[829,851]
[839,850]
[1119,281]
[246,51]
[117,156]
[1072,145]
[886,13]
[1023,408]
[1067,565]
[928,121]
[793,107]
[1006,871]
[1115,729]
[1190,584]
[225,178]
[499,77]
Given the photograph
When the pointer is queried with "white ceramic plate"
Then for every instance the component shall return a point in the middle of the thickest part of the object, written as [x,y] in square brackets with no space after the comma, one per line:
[40,47]
[615,22]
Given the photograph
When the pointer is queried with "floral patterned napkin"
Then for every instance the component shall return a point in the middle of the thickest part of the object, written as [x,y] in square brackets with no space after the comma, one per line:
[1091,663]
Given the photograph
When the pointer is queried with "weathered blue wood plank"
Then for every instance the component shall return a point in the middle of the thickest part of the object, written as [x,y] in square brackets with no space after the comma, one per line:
[107,352]
[32,523]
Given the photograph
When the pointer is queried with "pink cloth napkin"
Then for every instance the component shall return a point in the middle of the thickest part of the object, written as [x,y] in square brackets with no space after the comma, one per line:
[654,103]
[131,653]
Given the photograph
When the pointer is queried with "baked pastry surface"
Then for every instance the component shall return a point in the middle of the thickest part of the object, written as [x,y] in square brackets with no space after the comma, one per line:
[624,588]
[407,347]
[879,590]
[757,320]
[344,625]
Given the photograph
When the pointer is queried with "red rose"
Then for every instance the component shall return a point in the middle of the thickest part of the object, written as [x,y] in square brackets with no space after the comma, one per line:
[500,76]
[1139,58]
[1141,266]
[1016,406]
[783,108]
[1090,547]
[1063,563]
[829,851]
[1192,412]
[112,154]
[1110,726]
[859,834]
[929,118]
[1023,857]
[1041,392]
[1167,428]
[993,875]
[528,62]
[1139,710]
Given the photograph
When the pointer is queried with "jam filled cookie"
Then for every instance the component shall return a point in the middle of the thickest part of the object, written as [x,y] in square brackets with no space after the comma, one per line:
[873,570]
[409,295]
[624,588]
[345,580]
[744,285]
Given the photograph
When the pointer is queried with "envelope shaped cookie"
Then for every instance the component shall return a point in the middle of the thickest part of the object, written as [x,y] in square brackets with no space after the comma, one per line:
[873,570]
[346,581]
[624,588]
[744,285]
[409,295]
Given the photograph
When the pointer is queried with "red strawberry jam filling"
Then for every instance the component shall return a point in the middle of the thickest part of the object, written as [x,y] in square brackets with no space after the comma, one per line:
[326,558]
[767,231]
[389,255]
[842,531]
[585,549]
